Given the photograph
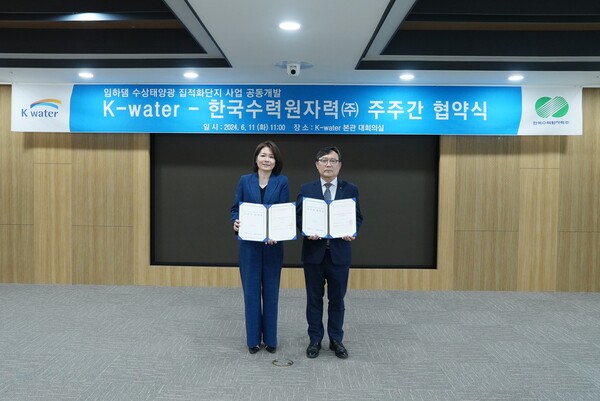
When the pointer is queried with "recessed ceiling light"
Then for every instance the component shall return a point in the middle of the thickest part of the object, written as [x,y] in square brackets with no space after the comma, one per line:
[516,77]
[289,26]
[407,77]
[88,17]
[190,74]
[86,75]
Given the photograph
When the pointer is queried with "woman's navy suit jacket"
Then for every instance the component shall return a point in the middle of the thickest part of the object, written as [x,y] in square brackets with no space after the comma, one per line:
[248,190]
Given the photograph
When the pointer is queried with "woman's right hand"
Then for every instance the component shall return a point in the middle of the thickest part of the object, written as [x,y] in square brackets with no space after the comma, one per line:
[236,226]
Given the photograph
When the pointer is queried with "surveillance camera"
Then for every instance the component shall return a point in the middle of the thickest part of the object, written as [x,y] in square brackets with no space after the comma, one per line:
[293,69]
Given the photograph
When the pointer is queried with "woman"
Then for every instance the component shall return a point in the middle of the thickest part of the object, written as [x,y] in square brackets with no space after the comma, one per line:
[260,263]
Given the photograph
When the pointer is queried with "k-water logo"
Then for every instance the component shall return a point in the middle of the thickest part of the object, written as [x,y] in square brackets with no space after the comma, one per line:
[551,107]
[42,108]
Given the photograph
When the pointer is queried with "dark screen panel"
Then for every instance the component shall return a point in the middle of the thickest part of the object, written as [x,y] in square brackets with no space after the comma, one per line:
[194,177]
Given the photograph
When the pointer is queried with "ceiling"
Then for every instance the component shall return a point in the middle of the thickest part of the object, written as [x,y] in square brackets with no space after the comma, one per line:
[461,42]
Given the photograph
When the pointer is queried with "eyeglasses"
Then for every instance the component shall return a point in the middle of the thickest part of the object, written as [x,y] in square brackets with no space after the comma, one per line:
[324,162]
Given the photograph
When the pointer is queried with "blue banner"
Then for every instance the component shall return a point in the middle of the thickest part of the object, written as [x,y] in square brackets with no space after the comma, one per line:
[299,109]
[294,109]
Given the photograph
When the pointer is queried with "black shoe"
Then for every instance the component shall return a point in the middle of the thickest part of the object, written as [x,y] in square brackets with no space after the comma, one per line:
[339,349]
[270,349]
[313,350]
[253,350]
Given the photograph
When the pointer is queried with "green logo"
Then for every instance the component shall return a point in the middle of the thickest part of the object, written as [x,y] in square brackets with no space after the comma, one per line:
[555,107]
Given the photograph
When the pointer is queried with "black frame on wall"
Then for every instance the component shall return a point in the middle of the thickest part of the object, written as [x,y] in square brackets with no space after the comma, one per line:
[193,178]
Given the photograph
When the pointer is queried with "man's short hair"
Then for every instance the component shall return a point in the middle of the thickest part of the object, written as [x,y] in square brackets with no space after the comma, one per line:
[327,150]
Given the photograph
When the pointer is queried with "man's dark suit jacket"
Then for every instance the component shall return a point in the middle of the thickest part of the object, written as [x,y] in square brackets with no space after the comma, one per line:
[313,252]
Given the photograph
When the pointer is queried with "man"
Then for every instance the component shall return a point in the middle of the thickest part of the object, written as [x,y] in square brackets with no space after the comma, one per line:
[327,261]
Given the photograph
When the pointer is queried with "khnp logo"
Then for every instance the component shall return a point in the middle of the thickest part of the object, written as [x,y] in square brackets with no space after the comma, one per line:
[551,107]
[42,108]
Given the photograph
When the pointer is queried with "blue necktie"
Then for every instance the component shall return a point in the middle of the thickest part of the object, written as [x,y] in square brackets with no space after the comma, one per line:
[327,193]
[327,197]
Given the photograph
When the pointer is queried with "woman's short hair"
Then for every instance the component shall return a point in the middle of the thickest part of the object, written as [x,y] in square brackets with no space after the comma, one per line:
[275,149]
